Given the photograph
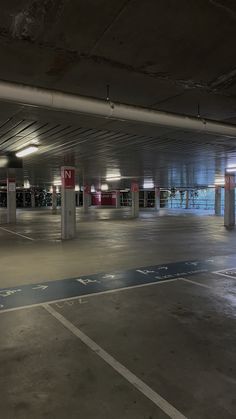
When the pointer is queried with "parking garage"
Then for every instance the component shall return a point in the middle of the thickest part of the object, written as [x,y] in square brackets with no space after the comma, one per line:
[117,210]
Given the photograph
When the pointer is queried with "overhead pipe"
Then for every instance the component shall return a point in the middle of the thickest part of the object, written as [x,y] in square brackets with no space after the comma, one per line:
[55,100]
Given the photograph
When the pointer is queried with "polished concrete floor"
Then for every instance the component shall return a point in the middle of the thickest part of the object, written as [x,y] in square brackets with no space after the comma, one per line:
[73,359]
[106,240]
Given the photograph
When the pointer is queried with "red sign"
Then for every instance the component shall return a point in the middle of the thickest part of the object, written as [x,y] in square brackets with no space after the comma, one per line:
[68,177]
[134,187]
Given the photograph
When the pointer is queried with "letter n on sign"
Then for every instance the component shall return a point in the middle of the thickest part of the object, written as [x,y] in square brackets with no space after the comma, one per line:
[68,177]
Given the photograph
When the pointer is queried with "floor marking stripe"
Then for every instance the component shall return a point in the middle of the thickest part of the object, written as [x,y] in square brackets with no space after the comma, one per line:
[17,234]
[196,283]
[77,297]
[163,404]
[223,274]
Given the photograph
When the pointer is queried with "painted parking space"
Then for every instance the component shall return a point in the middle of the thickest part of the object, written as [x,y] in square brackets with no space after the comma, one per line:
[27,295]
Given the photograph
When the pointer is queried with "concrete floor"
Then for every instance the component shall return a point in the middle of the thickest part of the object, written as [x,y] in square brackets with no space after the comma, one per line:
[107,240]
[177,337]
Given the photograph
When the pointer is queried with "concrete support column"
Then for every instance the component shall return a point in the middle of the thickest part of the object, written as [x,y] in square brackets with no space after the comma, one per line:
[68,214]
[117,199]
[229,215]
[157,198]
[11,200]
[135,199]
[187,200]
[86,198]
[32,198]
[145,199]
[218,200]
[54,198]
[24,199]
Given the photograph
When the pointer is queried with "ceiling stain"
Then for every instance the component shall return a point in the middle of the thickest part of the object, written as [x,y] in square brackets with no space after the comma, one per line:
[31,22]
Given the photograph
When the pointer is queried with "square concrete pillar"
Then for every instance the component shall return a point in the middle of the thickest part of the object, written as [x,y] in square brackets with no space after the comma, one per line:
[54,198]
[135,199]
[32,198]
[11,200]
[187,200]
[68,214]
[217,200]
[229,214]
[24,198]
[157,198]
[117,199]
[86,198]
[145,199]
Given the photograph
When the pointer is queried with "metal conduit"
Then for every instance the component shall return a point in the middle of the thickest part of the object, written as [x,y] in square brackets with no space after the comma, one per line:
[55,100]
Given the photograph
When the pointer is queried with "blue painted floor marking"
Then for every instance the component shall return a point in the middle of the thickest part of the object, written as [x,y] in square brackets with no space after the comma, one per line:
[77,287]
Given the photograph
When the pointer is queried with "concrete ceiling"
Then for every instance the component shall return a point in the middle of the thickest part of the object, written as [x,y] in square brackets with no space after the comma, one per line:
[167,55]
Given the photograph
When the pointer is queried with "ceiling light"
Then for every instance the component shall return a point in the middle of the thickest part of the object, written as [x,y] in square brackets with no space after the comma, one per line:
[148,184]
[113,178]
[230,169]
[57,183]
[93,189]
[26,151]
[3,161]
[113,175]
[26,184]
[104,187]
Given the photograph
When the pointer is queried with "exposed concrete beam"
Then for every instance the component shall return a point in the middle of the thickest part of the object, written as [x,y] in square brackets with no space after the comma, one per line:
[50,99]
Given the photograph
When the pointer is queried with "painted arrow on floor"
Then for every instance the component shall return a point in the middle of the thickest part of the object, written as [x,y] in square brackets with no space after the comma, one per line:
[40,287]
[104,282]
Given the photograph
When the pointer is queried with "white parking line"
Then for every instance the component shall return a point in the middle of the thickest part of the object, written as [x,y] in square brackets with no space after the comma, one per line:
[223,274]
[17,234]
[195,283]
[158,400]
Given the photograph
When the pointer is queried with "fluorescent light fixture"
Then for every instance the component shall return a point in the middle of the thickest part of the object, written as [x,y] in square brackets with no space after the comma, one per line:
[113,175]
[104,187]
[26,151]
[57,183]
[26,184]
[219,181]
[112,178]
[93,189]
[148,184]
[231,169]
[3,161]
[77,188]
